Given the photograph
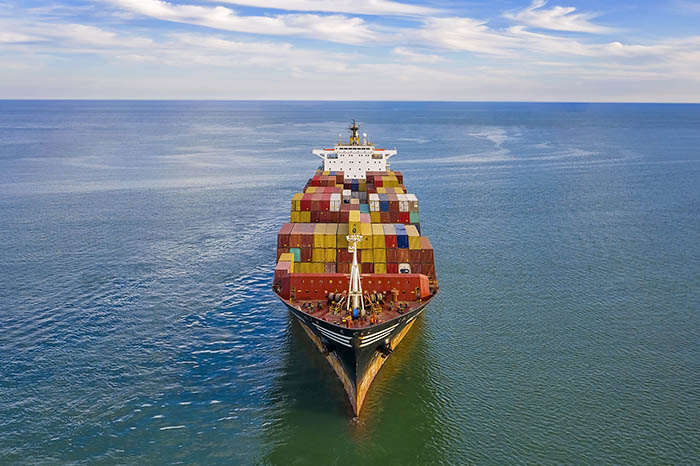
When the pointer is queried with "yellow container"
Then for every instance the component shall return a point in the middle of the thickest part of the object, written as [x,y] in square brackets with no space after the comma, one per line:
[379,255]
[366,232]
[413,237]
[399,190]
[311,190]
[296,202]
[354,221]
[287,257]
[305,267]
[379,268]
[317,267]
[378,235]
[342,240]
[376,217]
[367,256]
[305,217]
[381,190]
[330,236]
[325,173]
[319,236]
[294,218]
[330,254]
[318,255]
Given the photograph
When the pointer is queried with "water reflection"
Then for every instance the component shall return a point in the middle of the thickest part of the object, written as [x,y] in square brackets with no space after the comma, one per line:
[309,420]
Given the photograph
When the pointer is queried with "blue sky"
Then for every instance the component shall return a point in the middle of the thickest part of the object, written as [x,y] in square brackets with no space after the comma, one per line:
[537,50]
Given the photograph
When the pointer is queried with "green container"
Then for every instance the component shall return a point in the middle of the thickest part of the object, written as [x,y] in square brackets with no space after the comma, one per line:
[297,254]
[415,217]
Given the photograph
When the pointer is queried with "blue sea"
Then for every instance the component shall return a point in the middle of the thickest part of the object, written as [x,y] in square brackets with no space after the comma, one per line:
[137,325]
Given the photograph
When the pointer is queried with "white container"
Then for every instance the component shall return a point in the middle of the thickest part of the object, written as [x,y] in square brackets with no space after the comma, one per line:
[335,202]
[412,202]
[403,203]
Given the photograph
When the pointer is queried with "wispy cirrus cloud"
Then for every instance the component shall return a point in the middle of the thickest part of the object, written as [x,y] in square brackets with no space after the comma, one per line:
[357,7]
[468,35]
[335,28]
[557,18]
[9,37]
[416,57]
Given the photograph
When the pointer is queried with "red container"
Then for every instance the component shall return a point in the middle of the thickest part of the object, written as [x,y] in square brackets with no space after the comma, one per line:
[281,269]
[426,251]
[295,235]
[393,202]
[392,255]
[367,268]
[281,251]
[428,269]
[315,216]
[414,256]
[392,268]
[402,255]
[325,202]
[307,235]
[334,217]
[378,182]
[306,202]
[325,216]
[415,267]
[390,242]
[283,235]
[344,215]
[316,201]
[343,268]
[306,254]
[395,216]
[385,217]
[404,217]
[343,256]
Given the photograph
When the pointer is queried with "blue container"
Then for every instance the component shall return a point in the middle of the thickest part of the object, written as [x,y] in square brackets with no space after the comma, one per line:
[401,236]
[364,209]
[297,254]
[383,203]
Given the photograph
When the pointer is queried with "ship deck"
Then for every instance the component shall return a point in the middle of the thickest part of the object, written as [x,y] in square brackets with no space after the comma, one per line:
[320,309]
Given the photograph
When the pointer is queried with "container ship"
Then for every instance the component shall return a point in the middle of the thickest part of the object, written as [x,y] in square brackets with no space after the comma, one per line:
[352,266]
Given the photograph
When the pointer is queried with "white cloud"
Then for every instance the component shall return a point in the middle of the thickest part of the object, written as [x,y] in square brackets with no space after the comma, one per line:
[336,28]
[9,37]
[94,36]
[412,56]
[358,7]
[467,34]
[557,18]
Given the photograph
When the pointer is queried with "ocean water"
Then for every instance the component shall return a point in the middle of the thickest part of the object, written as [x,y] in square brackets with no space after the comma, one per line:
[137,325]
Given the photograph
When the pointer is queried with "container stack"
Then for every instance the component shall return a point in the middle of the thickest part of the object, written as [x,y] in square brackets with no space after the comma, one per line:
[330,208]
[385,248]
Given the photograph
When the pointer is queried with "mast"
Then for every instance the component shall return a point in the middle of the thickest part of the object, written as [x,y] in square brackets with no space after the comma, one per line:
[355,134]
[355,301]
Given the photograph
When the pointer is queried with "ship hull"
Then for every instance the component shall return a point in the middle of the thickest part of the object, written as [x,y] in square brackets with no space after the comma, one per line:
[356,354]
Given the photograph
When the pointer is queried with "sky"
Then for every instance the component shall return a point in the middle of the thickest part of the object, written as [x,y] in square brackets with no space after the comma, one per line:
[443,50]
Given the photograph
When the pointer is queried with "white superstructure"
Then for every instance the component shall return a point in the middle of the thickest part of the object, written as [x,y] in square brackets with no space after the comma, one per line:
[355,157]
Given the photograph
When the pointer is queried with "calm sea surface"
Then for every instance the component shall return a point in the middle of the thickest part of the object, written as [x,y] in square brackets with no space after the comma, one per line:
[137,326]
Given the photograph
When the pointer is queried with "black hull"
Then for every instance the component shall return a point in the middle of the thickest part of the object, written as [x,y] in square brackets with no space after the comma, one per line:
[357,354]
